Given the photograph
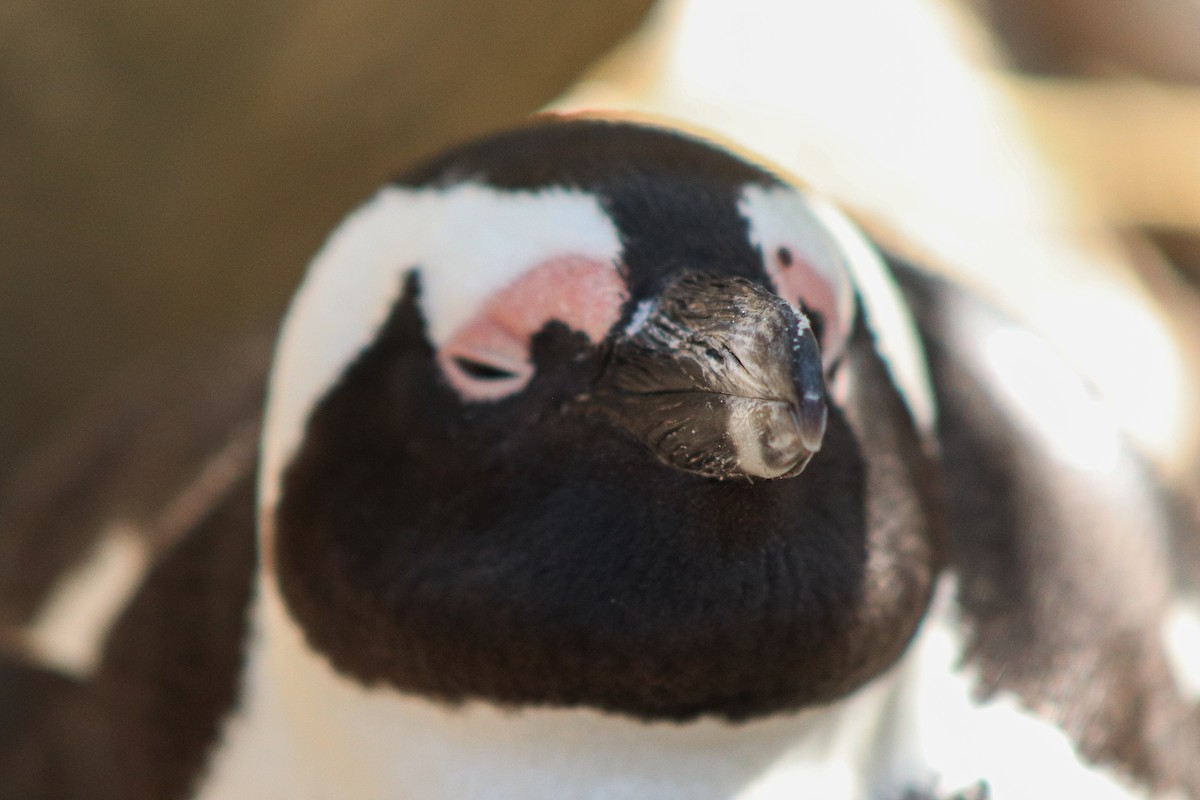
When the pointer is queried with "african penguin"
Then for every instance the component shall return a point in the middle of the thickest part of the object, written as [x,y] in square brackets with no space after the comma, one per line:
[598,462]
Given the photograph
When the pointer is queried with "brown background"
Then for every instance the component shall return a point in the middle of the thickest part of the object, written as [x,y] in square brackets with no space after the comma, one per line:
[167,167]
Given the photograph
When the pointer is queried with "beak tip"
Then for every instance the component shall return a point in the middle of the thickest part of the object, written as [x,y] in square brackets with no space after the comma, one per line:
[800,465]
[783,439]
[810,423]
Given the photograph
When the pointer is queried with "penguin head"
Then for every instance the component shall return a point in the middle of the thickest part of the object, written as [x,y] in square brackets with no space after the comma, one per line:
[595,414]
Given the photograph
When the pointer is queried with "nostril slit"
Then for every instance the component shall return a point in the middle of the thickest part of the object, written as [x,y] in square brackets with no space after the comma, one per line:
[482,371]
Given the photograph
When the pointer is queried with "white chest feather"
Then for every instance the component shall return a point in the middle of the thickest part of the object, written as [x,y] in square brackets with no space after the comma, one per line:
[305,732]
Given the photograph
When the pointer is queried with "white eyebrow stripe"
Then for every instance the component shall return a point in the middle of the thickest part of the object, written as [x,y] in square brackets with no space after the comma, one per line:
[484,239]
[886,315]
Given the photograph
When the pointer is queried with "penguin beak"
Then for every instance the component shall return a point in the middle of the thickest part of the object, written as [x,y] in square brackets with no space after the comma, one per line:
[718,377]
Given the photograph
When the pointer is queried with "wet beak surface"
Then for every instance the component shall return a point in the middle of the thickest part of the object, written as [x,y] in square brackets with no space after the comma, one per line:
[719,377]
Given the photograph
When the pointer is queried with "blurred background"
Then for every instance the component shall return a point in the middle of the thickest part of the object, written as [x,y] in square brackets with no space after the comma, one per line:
[168,167]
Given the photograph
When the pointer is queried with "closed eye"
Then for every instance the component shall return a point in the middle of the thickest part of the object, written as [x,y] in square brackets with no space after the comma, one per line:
[485,360]
[488,357]
[482,371]
[799,280]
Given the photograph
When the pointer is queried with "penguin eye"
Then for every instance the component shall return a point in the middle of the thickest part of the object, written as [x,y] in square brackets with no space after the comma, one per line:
[487,358]
[797,280]
[804,260]
[481,371]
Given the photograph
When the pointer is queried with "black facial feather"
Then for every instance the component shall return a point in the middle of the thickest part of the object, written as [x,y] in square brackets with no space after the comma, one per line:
[525,551]
[521,553]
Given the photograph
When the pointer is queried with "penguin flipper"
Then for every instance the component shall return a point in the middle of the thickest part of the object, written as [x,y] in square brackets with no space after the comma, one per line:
[171,455]
[1059,541]
[143,460]
[143,725]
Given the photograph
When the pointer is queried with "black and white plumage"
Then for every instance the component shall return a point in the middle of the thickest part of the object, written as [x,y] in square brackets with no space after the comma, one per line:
[598,462]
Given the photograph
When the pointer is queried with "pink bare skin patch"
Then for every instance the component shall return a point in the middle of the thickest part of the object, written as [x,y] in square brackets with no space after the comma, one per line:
[488,357]
[801,284]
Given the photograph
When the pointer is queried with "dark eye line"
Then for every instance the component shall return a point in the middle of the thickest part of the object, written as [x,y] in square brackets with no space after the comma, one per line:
[481,371]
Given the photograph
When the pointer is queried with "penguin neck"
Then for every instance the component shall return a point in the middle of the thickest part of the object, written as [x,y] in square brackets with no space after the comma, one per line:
[329,736]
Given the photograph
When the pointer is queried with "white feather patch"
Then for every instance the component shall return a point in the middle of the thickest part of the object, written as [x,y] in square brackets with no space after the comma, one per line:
[960,740]
[342,739]
[1181,637]
[305,732]
[70,627]
[886,315]
[468,241]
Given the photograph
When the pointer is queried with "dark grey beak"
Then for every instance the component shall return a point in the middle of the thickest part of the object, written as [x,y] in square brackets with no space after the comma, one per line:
[719,377]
